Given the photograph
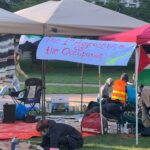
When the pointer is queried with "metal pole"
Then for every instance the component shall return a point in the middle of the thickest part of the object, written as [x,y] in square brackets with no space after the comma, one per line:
[136,89]
[100,98]
[43,81]
[43,90]
[82,71]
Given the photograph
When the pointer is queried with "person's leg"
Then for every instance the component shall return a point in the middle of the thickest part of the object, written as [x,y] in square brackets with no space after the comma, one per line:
[4,90]
[63,143]
[74,141]
[45,143]
[16,84]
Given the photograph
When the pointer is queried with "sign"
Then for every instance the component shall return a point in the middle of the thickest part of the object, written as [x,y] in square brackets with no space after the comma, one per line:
[94,52]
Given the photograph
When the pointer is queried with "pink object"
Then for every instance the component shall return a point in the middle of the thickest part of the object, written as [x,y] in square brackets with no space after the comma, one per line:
[139,35]
[54,149]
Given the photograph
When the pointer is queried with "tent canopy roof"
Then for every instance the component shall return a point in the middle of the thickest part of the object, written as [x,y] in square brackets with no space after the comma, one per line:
[144,37]
[139,35]
[15,24]
[78,17]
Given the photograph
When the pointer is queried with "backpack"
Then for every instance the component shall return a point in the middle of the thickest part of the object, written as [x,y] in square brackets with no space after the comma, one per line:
[94,128]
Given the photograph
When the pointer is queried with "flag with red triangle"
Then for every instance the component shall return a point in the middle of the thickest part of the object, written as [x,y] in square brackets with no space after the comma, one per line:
[144,64]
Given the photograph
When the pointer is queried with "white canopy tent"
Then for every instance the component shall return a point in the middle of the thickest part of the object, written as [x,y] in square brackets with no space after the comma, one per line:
[93,52]
[78,17]
[11,23]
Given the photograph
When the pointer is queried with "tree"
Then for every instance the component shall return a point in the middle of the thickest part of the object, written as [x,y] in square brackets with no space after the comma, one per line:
[144,10]
[4,5]
[114,5]
[142,13]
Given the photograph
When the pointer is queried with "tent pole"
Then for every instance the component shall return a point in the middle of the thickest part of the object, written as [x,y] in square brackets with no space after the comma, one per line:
[43,90]
[136,88]
[82,71]
[100,98]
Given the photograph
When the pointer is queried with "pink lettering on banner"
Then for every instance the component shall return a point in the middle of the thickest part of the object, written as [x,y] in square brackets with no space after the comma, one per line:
[69,40]
[52,51]
[79,45]
[65,51]
[55,40]
[121,46]
[81,54]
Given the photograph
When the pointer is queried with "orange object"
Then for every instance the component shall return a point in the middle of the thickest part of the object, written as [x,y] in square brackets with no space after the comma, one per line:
[20,130]
[119,91]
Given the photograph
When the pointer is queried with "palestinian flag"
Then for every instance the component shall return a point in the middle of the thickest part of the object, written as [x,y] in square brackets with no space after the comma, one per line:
[144,65]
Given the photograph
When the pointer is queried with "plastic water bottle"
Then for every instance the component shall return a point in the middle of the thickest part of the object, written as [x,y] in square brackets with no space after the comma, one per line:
[14,144]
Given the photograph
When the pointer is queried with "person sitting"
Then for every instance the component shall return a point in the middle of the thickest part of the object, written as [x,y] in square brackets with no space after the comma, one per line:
[94,106]
[114,108]
[144,105]
[58,135]
[105,88]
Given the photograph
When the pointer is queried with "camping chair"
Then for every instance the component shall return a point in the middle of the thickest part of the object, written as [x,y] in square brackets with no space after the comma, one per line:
[31,94]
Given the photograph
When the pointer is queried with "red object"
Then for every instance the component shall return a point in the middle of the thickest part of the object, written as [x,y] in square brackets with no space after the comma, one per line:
[144,37]
[139,35]
[144,60]
[20,130]
[91,124]
[86,134]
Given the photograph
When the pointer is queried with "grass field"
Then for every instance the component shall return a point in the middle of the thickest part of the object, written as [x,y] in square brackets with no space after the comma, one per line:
[111,142]
[115,142]
[66,72]
[70,73]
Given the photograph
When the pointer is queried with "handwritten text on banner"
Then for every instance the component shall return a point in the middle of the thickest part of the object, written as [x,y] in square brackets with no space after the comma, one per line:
[94,52]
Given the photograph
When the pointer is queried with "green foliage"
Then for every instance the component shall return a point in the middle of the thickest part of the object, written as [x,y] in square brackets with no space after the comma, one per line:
[142,13]
[17,4]
[114,5]
[4,5]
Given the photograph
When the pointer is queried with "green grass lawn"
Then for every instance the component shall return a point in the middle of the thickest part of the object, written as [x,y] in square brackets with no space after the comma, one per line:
[69,89]
[111,142]
[66,72]
[115,142]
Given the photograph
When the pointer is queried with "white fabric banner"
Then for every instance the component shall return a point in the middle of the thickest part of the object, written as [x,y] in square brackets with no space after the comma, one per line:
[94,52]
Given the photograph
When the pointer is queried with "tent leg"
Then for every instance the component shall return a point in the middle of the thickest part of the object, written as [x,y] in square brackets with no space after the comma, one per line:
[43,90]
[82,71]
[100,104]
[136,88]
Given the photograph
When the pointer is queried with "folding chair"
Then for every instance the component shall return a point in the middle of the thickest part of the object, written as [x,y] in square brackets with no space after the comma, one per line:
[31,95]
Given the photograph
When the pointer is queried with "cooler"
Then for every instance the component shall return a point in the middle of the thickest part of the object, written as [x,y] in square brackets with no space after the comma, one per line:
[131,93]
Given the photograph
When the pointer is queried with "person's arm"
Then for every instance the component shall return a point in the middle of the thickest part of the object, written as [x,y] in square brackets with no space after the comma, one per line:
[104,92]
[20,71]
